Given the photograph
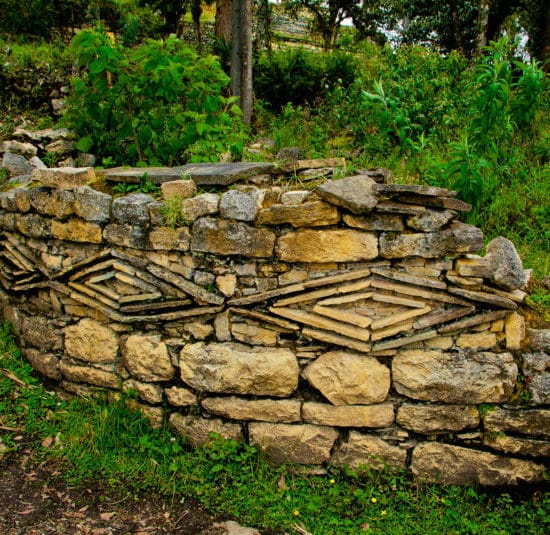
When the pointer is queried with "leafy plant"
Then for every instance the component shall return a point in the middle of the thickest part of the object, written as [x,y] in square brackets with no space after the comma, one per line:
[159,103]
[144,186]
[173,214]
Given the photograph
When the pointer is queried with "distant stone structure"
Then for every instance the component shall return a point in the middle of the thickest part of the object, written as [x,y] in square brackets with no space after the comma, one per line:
[353,324]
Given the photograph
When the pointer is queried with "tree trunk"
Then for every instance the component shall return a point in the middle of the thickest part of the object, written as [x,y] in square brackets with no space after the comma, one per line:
[196,12]
[241,56]
[483,24]
[223,20]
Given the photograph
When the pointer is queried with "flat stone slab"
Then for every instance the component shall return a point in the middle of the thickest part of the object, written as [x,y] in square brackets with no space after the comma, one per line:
[134,175]
[223,174]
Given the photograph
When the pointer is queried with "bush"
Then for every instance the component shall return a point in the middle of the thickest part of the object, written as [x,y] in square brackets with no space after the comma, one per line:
[300,76]
[157,104]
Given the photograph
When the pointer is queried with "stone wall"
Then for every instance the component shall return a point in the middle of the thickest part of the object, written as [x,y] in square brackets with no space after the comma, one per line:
[353,324]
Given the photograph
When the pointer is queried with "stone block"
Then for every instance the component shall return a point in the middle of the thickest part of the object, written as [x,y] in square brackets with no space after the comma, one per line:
[169,239]
[126,236]
[92,205]
[327,245]
[241,205]
[44,363]
[379,415]
[308,214]
[477,341]
[16,164]
[301,444]
[147,392]
[263,410]
[200,431]
[514,328]
[64,177]
[368,451]
[454,465]
[504,264]
[37,331]
[57,203]
[254,334]
[233,368]
[178,189]
[353,193]
[456,378]
[91,341]
[375,222]
[531,422]
[33,225]
[200,206]
[146,358]
[227,284]
[77,230]
[436,419]
[346,378]
[431,220]
[516,445]
[89,375]
[180,397]
[132,209]
[228,237]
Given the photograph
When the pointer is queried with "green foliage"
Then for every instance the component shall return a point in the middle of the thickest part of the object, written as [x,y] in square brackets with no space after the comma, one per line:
[173,214]
[158,104]
[144,186]
[300,76]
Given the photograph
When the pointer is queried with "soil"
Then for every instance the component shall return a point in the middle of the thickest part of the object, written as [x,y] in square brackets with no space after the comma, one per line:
[36,500]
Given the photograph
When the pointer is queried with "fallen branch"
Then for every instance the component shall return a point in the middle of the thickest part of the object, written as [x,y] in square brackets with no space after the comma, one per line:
[13,429]
[301,530]
[15,379]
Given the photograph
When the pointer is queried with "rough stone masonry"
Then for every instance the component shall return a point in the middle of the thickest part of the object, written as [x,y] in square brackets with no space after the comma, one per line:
[353,324]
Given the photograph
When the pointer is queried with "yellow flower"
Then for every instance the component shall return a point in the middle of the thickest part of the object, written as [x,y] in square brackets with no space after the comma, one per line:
[384,512]
[332,481]
[295,512]
[373,500]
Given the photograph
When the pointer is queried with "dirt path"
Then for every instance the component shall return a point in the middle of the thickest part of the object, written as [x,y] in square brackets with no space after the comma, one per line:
[36,500]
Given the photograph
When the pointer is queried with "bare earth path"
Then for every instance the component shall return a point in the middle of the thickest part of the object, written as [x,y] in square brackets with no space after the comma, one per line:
[36,500]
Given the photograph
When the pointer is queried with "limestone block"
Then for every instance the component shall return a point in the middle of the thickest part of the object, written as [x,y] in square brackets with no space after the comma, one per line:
[89,375]
[91,341]
[536,366]
[266,410]
[92,205]
[126,236]
[178,188]
[200,431]
[346,378]
[64,177]
[353,193]
[241,205]
[33,225]
[16,164]
[60,147]
[76,230]
[37,331]
[375,222]
[146,358]
[7,221]
[532,422]
[302,444]
[517,446]
[504,264]
[254,334]
[431,220]
[434,419]
[198,330]
[147,392]
[461,377]
[293,198]
[28,150]
[309,214]
[22,199]
[180,397]
[379,415]
[514,327]
[227,284]
[58,203]
[44,363]
[540,339]
[228,237]
[239,369]
[133,208]
[169,239]
[200,206]
[454,465]
[368,451]
[327,245]
[221,327]
[477,341]
[458,238]
[472,266]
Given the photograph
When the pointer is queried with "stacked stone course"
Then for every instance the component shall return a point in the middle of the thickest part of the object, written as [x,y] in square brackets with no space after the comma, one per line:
[353,324]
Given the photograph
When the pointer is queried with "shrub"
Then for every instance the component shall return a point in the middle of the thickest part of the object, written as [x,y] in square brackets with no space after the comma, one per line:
[157,104]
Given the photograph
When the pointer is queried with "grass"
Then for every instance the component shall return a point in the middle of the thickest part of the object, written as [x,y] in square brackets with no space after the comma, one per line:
[97,440]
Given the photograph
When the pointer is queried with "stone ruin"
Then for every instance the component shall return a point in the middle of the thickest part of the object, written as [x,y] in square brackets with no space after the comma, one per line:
[352,325]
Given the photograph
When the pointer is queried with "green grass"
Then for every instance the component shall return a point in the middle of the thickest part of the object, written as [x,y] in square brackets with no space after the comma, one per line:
[97,440]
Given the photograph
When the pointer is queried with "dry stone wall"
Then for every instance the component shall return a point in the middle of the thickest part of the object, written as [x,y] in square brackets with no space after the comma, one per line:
[354,324]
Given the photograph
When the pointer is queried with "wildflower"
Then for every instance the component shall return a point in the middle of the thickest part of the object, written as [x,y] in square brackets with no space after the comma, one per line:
[295,512]
[384,512]
[373,500]
[332,481]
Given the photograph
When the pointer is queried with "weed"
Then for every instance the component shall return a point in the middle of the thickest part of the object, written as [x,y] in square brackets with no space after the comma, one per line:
[144,186]
[173,214]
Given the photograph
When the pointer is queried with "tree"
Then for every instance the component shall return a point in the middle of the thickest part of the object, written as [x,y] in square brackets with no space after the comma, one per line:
[241,56]
[171,10]
[224,13]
